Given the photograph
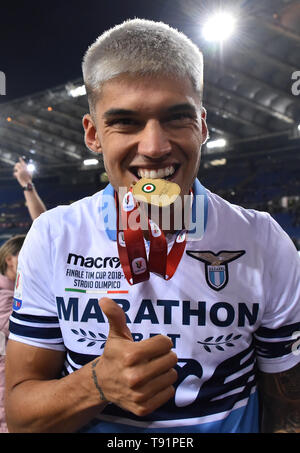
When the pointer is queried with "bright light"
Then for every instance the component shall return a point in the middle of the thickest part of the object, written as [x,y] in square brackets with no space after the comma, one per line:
[220,143]
[218,162]
[31,168]
[79,91]
[219,27]
[88,162]
[299,127]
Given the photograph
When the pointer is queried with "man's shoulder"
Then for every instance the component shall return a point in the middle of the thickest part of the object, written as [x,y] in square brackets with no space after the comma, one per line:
[245,223]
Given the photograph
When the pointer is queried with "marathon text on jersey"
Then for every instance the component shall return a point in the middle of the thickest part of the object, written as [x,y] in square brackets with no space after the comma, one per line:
[221,314]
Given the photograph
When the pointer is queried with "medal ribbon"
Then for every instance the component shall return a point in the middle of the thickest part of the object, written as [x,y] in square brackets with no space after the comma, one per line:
[131,245]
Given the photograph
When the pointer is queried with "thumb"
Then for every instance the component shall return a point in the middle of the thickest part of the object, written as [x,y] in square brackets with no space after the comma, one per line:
[116,318]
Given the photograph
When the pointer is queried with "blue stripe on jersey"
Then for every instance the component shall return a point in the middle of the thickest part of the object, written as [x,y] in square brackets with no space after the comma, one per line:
[273,350]
[285,331]
[31,330]
[81,359]
[241,420]
[36,319]
[265,347]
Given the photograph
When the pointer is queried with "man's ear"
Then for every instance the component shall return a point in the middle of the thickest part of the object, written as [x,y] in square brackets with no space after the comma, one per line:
[91,137]
[205,132]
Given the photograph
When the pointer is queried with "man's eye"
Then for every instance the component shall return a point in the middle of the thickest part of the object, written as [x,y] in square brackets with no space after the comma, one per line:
[122,122]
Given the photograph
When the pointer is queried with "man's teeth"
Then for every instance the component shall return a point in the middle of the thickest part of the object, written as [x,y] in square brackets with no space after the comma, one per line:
[160,173]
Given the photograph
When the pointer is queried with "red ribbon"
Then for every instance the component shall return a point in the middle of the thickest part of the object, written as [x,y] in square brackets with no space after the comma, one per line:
[131,245]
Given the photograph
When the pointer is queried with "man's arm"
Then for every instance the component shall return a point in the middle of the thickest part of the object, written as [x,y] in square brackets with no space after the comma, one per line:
[137,376]
[37,401]
[280,393]
[34,203]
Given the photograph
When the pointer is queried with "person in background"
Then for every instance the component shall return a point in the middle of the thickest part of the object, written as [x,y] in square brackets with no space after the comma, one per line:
[33,201]
[9,252]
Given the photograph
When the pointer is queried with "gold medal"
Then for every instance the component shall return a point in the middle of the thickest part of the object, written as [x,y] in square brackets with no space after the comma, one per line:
[158,192]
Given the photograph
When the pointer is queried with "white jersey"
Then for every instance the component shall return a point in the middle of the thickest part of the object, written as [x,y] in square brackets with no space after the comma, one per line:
[232,305]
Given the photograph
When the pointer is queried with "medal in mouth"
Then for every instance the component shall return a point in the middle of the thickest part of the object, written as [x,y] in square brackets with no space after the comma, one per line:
[157,192]
[136,265]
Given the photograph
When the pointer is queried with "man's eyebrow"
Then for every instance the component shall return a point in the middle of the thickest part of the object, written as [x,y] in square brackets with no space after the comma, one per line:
[118,112]
[184,107]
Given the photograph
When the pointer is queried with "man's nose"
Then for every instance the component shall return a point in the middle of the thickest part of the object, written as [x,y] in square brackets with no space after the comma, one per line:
[153,140]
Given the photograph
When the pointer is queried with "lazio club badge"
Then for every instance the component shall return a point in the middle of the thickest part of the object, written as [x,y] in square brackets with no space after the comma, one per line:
[158,192]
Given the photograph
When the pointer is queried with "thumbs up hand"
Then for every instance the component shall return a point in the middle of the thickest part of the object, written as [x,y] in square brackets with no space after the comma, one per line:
[136,376]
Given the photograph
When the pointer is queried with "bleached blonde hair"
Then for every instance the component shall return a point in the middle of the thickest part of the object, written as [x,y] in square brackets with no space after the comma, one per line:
[141,47]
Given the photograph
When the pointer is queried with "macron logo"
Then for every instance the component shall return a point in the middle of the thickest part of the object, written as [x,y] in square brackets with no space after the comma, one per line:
[99,262]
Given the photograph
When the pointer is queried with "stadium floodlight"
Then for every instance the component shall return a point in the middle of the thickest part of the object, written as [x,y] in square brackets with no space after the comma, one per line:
[219,27]
[88,162]
[219,143]
[78,91]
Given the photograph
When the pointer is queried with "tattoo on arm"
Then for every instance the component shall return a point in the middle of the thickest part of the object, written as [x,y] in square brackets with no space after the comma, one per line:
[281,401]
[95,379]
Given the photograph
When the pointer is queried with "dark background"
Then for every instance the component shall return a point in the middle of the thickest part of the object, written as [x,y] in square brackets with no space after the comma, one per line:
[42,43]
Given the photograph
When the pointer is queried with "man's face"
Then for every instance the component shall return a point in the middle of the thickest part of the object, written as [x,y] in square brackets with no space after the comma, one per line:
[148,127]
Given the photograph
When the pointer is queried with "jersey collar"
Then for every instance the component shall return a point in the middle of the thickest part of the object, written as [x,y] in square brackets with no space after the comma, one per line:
[198,217]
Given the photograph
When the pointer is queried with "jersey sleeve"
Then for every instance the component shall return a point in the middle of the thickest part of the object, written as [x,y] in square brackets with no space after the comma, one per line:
[34,319]
[277,338]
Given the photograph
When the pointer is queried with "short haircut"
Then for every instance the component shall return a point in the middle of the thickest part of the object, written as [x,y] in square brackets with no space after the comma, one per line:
[10,248]
[141,47]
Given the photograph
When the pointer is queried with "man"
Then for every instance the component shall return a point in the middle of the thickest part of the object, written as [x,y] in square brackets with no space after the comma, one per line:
[163,356]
